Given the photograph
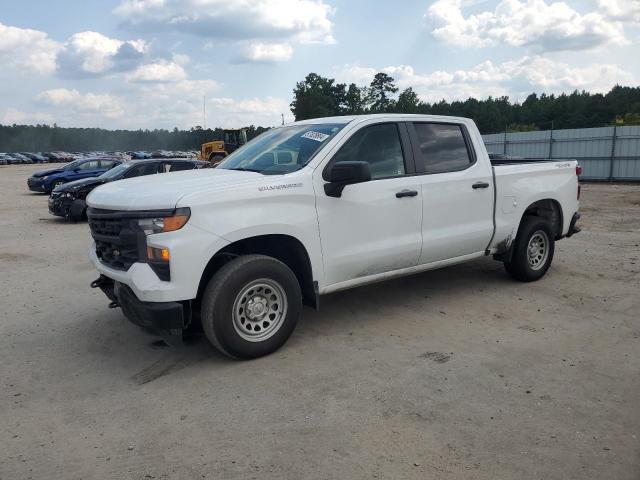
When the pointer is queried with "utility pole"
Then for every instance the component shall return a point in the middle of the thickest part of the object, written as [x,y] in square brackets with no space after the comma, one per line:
[204,112]
[282,118]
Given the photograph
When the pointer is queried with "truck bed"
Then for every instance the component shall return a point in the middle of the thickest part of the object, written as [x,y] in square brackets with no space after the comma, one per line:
[516,161]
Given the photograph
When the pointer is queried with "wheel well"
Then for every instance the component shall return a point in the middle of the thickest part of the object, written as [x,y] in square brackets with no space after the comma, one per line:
[285,248]
[550,210]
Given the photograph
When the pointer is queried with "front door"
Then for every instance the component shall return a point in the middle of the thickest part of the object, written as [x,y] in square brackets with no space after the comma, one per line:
[373,227]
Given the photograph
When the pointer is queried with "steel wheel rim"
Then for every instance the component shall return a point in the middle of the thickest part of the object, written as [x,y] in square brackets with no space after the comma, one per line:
[538,250]
[259,310]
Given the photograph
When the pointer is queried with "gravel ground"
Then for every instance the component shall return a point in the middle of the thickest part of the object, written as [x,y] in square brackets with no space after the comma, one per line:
[457,373]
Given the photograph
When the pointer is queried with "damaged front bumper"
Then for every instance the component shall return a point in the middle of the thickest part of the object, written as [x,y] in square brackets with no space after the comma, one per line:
[160,317]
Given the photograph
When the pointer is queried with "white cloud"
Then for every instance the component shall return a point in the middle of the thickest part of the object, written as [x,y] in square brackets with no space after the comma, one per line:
[268,52]
[161,71]
[24,48]
[621,10]
[547,26]
[514,79]
[181,58]
[550,76]
[257,111]
[302,21]
[13,116]
[93,53]
[71,102]
[354,73]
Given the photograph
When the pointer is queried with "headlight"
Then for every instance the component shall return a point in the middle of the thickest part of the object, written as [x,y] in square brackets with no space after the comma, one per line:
[171,223]
[68,195]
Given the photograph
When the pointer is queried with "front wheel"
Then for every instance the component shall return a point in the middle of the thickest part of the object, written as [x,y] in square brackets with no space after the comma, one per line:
[533,250]
[251,306]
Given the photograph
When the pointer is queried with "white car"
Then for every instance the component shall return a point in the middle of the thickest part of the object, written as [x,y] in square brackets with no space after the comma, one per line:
[315,207]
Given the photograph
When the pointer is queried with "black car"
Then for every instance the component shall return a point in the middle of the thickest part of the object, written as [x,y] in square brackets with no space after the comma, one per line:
[68,200]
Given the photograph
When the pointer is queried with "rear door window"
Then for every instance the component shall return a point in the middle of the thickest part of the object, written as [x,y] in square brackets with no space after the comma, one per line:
[442,147]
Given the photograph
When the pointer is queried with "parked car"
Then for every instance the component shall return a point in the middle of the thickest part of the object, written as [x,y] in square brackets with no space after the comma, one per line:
[17,158]
[36,157]
[140,155]
[68,200]
[46,180]
[4,159]
[316,207]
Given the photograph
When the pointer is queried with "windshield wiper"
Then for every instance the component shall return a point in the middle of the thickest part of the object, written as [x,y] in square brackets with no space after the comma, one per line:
[242,169]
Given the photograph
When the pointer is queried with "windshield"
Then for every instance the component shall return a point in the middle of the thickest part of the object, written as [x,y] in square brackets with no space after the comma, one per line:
[115,171]
[282,150]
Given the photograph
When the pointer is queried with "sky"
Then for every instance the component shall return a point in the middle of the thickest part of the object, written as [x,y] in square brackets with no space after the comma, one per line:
[156,63]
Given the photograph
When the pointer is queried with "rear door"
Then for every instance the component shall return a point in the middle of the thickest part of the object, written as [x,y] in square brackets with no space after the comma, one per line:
[457,191]
[373,227]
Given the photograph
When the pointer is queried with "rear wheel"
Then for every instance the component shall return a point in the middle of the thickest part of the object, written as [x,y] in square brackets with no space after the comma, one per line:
[251,306]
[533,250]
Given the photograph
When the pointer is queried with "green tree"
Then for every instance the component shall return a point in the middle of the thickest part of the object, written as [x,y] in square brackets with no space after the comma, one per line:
[355,100]
[381,93]
[314,97]
[408,102]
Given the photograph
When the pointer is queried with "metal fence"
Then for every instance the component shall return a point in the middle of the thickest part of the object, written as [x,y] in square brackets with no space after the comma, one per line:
[606,153]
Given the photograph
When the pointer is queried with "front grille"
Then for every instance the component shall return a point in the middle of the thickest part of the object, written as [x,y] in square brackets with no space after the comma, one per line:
[117,240]
[116,256]
[111,227]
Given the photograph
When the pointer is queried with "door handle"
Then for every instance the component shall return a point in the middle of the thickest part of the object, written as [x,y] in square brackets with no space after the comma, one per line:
[406,193]
[477,185]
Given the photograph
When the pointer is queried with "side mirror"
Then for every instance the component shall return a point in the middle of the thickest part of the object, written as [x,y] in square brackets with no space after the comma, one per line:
[343,174]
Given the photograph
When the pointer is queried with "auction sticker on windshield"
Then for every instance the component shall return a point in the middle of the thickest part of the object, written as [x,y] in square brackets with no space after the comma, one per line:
[317,136]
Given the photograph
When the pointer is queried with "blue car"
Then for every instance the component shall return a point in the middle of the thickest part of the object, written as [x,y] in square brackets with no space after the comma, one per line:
[46,180]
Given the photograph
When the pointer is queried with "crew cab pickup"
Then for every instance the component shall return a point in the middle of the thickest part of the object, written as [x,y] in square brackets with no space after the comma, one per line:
[315,207]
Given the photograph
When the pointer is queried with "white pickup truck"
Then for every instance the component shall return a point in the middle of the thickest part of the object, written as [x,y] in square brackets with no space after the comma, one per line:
[314,207]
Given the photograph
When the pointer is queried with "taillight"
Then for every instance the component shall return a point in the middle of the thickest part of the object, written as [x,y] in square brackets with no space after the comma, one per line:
[578,170]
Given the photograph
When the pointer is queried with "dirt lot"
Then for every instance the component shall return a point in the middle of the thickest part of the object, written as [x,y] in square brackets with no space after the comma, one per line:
[458,373]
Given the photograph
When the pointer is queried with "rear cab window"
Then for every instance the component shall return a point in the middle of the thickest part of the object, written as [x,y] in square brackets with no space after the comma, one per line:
[441,147]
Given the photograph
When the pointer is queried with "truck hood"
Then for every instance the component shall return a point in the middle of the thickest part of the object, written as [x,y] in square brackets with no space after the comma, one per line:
[163,191]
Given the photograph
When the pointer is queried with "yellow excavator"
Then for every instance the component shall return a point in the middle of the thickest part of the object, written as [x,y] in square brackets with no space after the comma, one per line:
[217,150]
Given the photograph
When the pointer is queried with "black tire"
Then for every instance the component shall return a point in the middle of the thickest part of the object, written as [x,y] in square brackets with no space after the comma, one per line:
[524,267]
[222,300]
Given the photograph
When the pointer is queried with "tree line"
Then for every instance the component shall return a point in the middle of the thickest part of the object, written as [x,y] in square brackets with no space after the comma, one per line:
[318,96]
[45,138]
